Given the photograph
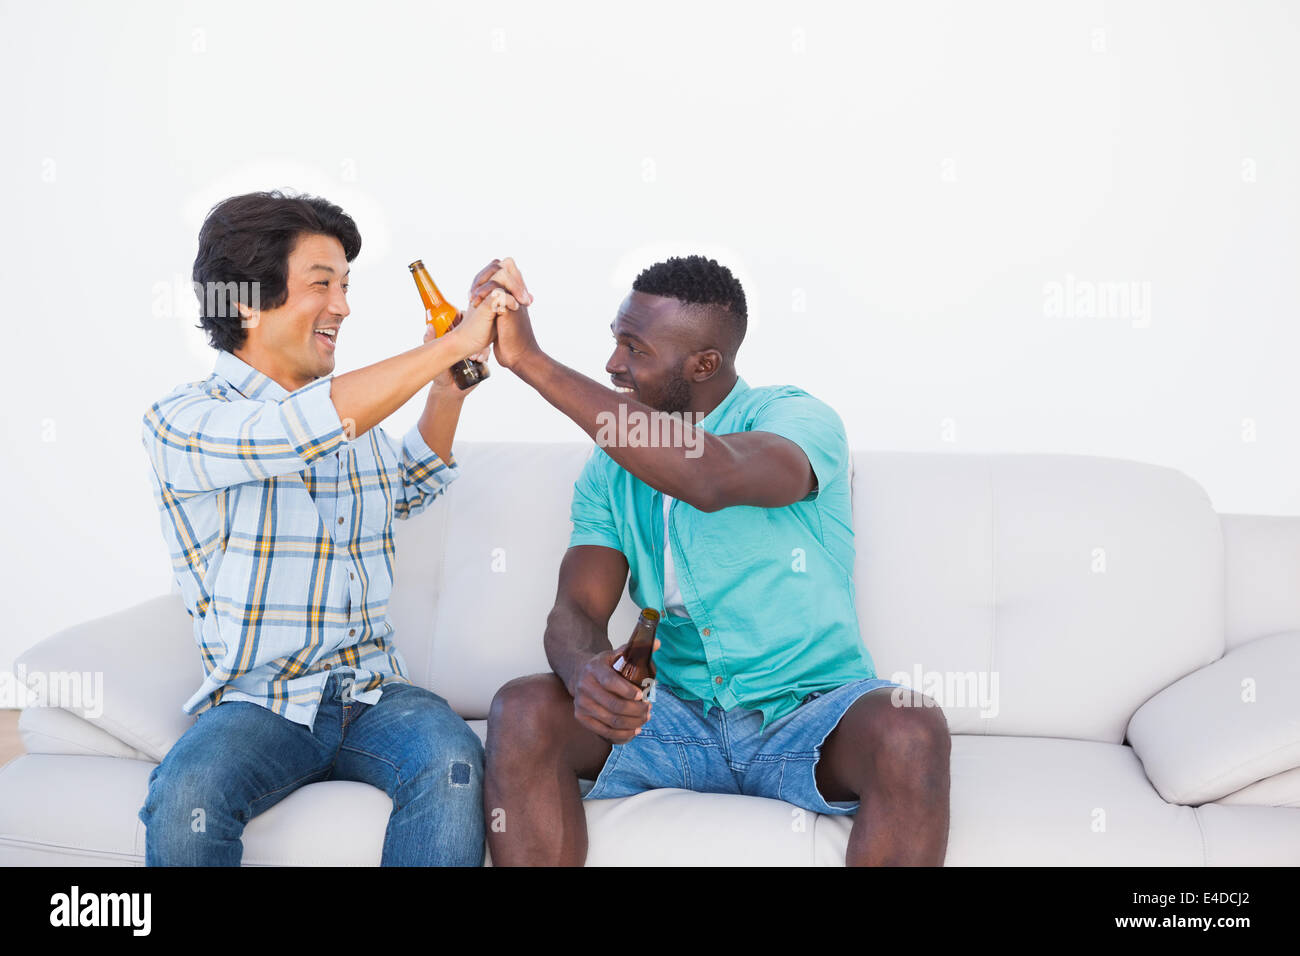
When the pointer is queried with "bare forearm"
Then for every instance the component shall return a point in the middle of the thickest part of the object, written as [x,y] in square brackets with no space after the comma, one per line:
[572,639]
[439,420]
[366,396]
[688,470]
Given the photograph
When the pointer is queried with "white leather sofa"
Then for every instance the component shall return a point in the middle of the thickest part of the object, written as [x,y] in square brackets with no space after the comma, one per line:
[1146,653]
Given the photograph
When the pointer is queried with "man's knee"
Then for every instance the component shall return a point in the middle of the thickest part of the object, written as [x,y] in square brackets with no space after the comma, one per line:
[907,729]
[186,811]
[438,749]
[456,759]
[530,713]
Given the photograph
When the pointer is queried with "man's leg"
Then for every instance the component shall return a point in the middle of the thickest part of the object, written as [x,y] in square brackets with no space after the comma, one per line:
[894,760]
[415,748]
[236,761]
[536,754]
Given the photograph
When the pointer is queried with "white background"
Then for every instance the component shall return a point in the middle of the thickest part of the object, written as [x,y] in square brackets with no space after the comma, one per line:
[896,184]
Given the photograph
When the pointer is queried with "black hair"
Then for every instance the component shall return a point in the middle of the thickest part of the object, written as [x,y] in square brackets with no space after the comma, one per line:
[699,281]
[247,239]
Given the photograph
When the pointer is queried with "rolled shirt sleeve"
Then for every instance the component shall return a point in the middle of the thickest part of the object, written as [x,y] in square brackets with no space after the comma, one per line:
[199,442]
[591,513]
[424,475]
[812,425]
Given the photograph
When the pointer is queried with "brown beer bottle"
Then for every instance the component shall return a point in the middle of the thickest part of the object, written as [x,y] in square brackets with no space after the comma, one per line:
[636,662]
[441,314]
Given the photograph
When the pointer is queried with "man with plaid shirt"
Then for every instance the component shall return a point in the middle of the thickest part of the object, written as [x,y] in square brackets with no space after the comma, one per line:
[276,491]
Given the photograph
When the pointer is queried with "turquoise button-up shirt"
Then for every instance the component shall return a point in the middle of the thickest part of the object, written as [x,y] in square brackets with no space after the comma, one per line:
[769,591]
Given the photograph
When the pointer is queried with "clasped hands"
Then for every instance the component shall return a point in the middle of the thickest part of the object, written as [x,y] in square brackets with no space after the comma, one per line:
[496,318]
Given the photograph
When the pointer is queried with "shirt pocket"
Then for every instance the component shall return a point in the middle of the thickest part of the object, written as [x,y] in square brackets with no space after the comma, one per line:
[376,500]
[732,538]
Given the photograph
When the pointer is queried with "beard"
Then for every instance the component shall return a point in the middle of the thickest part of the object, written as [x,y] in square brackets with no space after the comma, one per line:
[674,395]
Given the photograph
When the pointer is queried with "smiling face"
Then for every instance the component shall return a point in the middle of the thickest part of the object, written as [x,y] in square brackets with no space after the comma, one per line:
[285,343]
[659,355]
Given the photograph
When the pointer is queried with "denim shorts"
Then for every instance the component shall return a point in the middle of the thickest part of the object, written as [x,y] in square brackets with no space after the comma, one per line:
[726,753]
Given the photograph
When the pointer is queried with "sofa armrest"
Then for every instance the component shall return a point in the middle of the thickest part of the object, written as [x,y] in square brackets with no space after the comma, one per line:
[1224,726]
[53,730]
[127,673]
[1261,560]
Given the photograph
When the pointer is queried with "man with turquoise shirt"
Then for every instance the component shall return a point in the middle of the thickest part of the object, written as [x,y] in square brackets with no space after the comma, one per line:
[727,508]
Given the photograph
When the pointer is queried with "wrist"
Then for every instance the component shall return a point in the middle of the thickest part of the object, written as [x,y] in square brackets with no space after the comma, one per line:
[441,394]
[569,671]
[458,349]
[530,365]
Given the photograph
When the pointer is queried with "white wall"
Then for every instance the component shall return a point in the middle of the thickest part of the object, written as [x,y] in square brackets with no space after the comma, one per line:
[897,184]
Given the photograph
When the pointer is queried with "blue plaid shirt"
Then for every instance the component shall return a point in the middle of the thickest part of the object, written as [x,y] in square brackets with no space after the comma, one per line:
[280,532]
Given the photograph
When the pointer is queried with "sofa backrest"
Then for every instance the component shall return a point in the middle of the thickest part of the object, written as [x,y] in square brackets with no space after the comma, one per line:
[1082,585]
[1036,595]
[476,572]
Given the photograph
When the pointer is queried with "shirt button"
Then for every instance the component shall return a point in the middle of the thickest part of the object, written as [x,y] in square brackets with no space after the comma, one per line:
[707,631]
[352,632]
[717,680]
[340,521]
[351,575]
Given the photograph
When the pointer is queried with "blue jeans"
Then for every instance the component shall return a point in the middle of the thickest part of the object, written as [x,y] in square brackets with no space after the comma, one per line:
[239,759]
[728,752]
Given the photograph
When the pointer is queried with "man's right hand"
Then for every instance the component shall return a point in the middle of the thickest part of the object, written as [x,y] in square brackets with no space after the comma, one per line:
[477,327]
[515,340]
[606,702]
[499,273]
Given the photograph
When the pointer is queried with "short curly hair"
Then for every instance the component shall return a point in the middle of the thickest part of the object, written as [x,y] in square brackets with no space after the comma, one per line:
[697,280]
[247,239]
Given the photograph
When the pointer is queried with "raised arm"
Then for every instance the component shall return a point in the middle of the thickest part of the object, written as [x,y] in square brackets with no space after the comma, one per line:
[199,443]
[707,471]
[367,396]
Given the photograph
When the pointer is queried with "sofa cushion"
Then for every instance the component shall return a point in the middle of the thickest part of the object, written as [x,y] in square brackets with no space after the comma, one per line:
[1262,565]
[1043,573]
[1225,726]
[53,730]
[1015,801]
[1249,836]
[1082,586]
[1028,801]
[75,811]
[507,528]
[419,544]
[149,666]
[1279,790]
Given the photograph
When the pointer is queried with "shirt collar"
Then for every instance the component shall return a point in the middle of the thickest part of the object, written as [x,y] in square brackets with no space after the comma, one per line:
[710,421]
[246,380]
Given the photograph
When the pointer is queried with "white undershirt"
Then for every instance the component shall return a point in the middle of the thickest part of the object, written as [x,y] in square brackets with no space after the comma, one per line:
[673,603]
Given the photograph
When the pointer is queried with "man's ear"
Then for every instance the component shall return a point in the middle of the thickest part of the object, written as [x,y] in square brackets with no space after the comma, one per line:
[248,317]
[706,365]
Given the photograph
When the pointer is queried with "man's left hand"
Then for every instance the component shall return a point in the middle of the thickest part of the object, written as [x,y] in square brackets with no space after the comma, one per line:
[502,273]
[443,383]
